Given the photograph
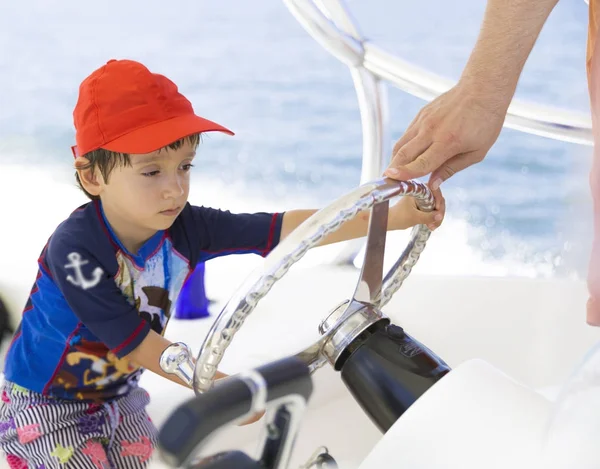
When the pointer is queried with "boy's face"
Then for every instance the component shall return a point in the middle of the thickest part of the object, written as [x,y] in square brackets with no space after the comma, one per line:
[147,196]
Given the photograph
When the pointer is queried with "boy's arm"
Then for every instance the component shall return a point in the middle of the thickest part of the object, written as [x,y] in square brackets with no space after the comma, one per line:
[221,233]
[355,228]
[89,288]
[402,215]
[147,355]
[203,233]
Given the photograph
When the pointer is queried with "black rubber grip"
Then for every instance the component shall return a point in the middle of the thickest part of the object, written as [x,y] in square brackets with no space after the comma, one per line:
[287,376]
[193,421]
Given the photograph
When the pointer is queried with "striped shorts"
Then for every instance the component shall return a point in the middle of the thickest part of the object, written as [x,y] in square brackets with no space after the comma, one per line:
[46,433]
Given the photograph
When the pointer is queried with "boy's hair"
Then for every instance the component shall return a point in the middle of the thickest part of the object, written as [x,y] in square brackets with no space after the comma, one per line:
[105,161]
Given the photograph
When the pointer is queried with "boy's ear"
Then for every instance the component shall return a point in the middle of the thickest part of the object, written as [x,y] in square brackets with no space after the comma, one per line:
[87,176]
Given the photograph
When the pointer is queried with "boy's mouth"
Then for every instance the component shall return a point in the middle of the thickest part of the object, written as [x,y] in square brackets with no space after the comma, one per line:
[172,211]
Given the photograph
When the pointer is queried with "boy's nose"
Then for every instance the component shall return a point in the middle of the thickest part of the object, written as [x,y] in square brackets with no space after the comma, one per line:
[175,187]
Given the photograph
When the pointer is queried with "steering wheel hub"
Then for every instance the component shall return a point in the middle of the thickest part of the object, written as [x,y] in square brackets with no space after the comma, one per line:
[344,325]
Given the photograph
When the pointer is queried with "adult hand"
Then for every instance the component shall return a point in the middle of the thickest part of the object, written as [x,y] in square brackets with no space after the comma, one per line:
[449,134]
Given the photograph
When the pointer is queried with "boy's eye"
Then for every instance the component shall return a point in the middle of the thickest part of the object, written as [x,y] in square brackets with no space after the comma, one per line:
[185,167]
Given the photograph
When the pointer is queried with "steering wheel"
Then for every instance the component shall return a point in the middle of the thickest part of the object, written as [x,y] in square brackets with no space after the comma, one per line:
[349,319]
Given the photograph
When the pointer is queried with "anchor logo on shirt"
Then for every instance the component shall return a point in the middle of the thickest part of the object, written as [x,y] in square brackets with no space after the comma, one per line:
[79,280]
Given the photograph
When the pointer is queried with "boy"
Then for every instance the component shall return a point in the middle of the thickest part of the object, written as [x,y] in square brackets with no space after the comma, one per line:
[110,273]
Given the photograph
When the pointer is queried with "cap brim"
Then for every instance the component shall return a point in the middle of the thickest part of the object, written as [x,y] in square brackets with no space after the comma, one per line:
[156,136]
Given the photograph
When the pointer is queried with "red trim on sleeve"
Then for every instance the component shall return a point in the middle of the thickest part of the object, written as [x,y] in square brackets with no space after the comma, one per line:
[129,339]
[271,234]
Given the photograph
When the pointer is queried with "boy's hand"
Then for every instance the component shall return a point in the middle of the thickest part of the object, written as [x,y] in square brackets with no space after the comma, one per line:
[254,418]
[405,214]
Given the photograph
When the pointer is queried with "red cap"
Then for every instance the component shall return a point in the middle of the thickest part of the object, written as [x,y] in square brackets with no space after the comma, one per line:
[123,107]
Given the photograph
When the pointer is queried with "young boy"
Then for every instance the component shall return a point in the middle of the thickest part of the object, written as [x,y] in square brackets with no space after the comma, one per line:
[110,273]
